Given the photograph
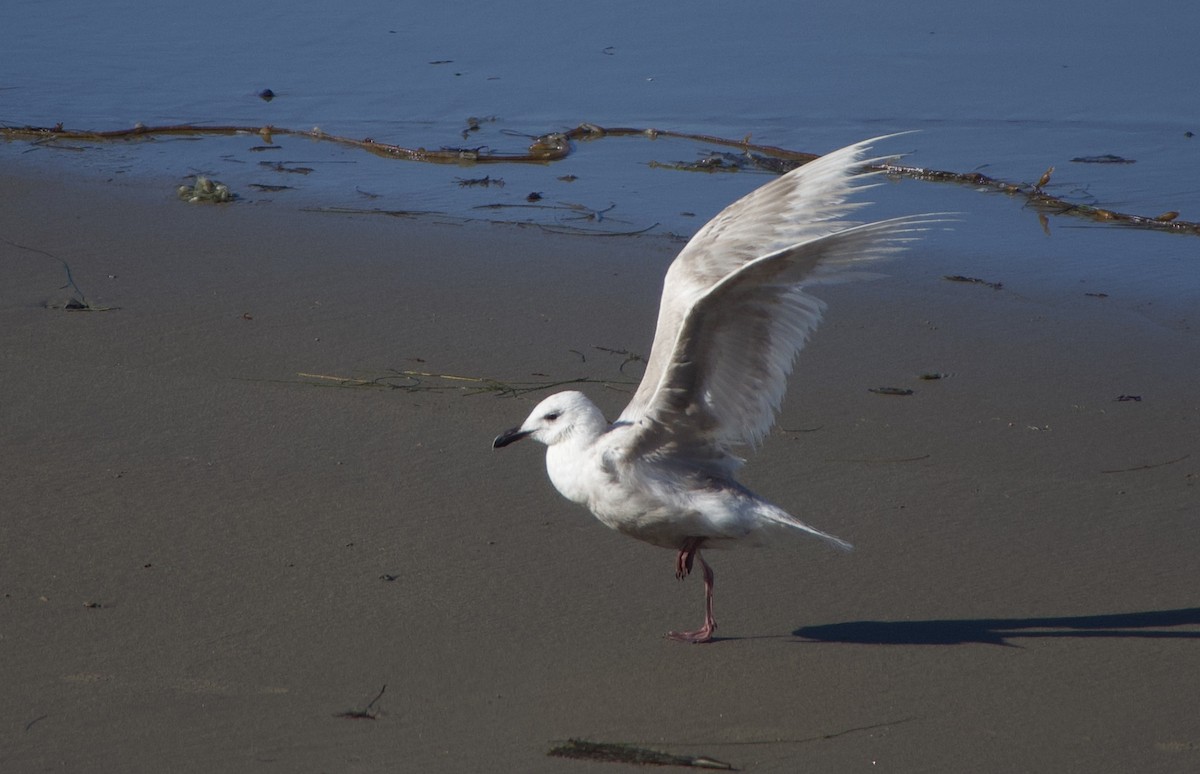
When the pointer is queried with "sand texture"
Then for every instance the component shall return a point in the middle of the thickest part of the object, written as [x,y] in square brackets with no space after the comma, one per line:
[211,563]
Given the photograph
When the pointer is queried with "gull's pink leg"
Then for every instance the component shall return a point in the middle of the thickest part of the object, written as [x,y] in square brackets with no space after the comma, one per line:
[683,562]
[683,567]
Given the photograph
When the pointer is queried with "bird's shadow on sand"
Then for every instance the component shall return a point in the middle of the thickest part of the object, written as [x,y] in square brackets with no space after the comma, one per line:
[1152,624]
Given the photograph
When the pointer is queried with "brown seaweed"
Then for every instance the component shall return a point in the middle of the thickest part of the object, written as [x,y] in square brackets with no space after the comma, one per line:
[555,146]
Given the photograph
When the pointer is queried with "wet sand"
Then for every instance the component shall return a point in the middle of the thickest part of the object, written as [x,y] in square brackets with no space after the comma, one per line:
[212,563]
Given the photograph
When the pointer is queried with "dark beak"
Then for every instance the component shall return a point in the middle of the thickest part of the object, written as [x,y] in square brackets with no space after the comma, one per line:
[509,436]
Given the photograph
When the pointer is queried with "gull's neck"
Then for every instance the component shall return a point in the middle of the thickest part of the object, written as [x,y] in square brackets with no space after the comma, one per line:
[570,461]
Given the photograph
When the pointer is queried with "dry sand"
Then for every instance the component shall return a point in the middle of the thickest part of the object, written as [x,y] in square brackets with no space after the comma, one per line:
[206,560]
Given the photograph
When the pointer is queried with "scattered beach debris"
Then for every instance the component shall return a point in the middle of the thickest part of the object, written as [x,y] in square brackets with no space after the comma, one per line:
[771,164]
[485,182]
[1149,466]
[713,161]
[630,357]
[555,146]
[585,213]
[975,280]
[879,461]
[566,229]
[366,713]
[1097,295]
[205,189]
[1128,399]
[77,302]
[266,95]
[425,381]
[31,723]
[716,161]
[534,196]
[569,178]
[279,166]
[466,154]
[589,213]
[930,376]
[890,390]
[265,188]
[608,752]
[372,211]
[1106,158]
[80,304]
[474,123]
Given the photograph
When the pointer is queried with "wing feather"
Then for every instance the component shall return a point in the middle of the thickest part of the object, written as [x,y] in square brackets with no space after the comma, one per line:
[735,313]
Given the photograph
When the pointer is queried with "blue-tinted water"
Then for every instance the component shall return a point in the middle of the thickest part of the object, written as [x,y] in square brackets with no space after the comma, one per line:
[1007,89]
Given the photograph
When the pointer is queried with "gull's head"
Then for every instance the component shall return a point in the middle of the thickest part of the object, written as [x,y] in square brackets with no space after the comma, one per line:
[562,416]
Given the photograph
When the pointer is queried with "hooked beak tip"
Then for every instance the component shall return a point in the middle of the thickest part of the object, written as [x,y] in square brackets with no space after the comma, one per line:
[509,436]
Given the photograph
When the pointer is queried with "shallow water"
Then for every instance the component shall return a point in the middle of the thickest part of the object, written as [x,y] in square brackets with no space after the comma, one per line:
[1006,90]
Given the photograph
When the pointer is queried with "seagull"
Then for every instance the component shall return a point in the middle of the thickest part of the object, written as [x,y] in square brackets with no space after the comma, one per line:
[734,314]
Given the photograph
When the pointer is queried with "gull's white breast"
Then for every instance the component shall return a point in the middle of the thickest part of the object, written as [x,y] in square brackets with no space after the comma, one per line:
[659,504]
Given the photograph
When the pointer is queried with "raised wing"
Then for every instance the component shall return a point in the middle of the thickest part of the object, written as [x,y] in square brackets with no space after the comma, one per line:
[734,314]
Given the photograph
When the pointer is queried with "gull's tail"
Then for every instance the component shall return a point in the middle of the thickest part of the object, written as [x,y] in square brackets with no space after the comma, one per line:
[777,515]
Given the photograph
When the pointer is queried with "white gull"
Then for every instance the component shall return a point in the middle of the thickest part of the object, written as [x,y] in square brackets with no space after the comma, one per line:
[733,316]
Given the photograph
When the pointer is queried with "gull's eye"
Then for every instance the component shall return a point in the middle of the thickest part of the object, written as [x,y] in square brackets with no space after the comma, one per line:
[553,415]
